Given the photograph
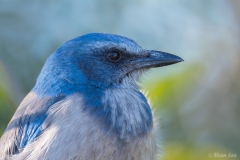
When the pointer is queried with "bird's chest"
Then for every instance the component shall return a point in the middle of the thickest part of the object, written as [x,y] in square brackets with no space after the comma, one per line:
[86,135]
[99,145]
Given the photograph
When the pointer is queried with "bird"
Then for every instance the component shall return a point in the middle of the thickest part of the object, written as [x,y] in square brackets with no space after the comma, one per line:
[87,105]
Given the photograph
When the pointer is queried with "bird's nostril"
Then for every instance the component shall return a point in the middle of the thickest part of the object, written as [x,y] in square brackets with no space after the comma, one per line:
[146,54]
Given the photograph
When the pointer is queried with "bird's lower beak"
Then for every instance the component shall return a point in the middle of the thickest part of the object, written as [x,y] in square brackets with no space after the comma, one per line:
[157,59]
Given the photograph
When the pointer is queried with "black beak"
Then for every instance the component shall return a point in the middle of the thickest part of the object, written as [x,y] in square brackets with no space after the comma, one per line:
[150,60]
[156,59]
[159,59]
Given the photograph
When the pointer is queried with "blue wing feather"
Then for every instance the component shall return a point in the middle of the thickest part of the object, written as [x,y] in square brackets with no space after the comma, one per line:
[30,126]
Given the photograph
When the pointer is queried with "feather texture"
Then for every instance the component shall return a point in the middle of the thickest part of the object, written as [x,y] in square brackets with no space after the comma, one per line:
[86,105]
[87,141]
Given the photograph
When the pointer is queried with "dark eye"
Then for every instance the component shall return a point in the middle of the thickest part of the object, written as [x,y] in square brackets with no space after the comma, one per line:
[114,56]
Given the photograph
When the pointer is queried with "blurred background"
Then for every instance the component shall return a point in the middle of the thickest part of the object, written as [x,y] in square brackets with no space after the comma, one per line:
[198,101]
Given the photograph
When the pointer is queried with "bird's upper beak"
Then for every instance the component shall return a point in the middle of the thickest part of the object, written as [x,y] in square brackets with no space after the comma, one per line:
[156,59]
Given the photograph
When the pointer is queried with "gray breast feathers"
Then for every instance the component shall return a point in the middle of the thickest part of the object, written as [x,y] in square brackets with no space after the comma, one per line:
[68,132]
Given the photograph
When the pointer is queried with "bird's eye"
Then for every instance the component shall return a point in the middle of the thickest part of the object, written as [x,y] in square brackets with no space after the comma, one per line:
[114,56]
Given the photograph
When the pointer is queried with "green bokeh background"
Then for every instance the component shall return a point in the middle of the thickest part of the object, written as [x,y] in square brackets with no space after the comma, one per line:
[198,101]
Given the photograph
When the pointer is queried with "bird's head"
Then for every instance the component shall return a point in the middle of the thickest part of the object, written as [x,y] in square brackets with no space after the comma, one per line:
[99,60]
